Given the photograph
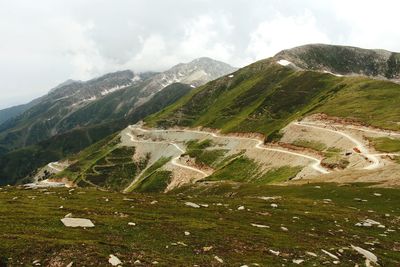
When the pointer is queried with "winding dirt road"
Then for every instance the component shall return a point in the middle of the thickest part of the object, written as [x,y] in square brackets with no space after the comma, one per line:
[375,159]
[174,161]
[316,165]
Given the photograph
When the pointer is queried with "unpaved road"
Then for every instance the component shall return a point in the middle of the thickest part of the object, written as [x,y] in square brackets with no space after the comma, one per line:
[316,165]
[174,161]
[375,159]
[52,166]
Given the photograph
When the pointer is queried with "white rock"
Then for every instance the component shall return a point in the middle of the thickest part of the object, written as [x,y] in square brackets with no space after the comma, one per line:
[270,198]
[330,254]
[131,223]
[154,202]
[187,233]
[70,264]
[114,261]
[69,215]
[191,204]
[137,262]
[274,205]
[276,253]
[367,254]
[241,208]
[219,259]
[377,194]
[311,254]
[299,261]
[284,229]
[77,222]
[259,225]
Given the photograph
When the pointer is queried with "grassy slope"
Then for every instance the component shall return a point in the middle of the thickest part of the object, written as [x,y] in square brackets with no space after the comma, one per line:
[16,165]
[386,144]
[33,230]
[264,97]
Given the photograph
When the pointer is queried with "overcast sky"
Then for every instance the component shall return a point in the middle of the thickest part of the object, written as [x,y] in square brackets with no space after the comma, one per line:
[45,42]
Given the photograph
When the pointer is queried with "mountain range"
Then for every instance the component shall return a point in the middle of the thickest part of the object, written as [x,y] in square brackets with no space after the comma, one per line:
[79,113]
[291,160]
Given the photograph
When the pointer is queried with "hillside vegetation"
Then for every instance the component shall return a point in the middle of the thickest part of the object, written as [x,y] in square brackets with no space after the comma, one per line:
[266,96]
[303,219]
[17,164]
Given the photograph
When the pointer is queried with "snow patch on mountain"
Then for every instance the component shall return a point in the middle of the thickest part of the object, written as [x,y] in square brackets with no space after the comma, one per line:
[284,62]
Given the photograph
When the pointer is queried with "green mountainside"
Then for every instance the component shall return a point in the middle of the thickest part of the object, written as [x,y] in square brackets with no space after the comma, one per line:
[19,163]
[266,96]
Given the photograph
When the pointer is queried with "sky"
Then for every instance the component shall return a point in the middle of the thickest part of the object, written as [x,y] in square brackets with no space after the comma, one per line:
[45,42]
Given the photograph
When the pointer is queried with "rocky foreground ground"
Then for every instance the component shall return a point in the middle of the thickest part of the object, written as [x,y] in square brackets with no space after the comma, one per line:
[205,225]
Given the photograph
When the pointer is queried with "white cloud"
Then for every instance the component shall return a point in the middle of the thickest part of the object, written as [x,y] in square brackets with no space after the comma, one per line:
[271,36]
[46,42]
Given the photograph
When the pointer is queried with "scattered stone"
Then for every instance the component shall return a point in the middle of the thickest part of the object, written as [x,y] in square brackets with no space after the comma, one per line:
[70,264]
[187,233]
[241,208]
[276,253]
[137,262]
[114,261]
[284,229]
[206,249]
[155,262]
[367,254]
[131,223]
[69,215]
[368,223]
[330,254]
[154,202]
[299,261]
[204,205]
[311,254]
[218,259]
[273,205]
[377,194]
[191,204]
[270,198]
[77,222]
[61,207]
[259,225]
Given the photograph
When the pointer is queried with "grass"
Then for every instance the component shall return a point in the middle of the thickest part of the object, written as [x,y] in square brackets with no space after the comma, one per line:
[198,150]
[265,97]
[239,169]
[386,144]
[148,172]
[33,231]
[334,159]
[315,145]
[280,174]
[155,182]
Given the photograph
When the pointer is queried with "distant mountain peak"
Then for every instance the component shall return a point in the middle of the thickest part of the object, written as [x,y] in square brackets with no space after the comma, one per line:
[344,60]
